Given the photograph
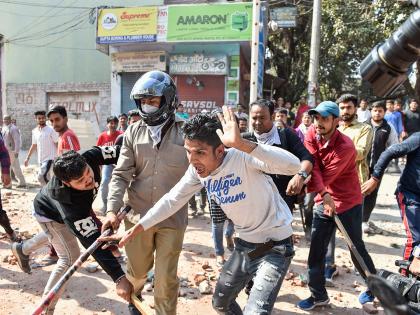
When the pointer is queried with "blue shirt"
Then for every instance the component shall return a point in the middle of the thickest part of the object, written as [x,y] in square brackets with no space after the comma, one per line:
[183,115]
[395,119]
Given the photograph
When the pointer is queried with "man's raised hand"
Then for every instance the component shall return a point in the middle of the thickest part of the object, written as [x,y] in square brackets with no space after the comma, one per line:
[230,136]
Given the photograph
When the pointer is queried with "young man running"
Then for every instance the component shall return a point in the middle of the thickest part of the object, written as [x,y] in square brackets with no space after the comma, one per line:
[236,180]
[63,209]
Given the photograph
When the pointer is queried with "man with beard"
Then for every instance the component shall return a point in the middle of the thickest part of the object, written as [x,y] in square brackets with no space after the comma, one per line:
[361,135]
[152,160]
[44,141]
[384,135]
[266,132]
[335,181]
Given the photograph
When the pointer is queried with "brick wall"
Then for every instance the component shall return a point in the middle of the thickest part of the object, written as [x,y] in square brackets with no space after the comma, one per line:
[22,100]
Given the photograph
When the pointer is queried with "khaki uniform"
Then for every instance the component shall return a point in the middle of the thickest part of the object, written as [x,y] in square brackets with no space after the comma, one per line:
[147,173]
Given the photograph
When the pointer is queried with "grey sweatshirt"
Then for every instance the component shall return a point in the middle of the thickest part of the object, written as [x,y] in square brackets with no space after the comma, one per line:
[243,190]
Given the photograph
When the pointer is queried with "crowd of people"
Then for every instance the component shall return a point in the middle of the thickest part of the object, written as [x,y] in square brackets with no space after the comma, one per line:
[157,159]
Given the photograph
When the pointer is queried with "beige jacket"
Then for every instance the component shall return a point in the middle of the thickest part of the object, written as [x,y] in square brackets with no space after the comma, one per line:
[147,173]
[362,135]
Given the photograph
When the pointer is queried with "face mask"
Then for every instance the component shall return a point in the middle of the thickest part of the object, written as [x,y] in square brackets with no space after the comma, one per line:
[148,109]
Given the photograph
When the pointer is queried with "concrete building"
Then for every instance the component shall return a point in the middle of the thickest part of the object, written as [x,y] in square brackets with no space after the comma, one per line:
[205,47]
[48,56]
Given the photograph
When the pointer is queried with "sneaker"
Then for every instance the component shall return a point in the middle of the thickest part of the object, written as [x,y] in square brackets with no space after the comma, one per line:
[22,259]
[230,245]
[310,303]
[366,297]
[329,274]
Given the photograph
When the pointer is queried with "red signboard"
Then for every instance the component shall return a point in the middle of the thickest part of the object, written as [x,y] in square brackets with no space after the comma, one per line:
[200,92]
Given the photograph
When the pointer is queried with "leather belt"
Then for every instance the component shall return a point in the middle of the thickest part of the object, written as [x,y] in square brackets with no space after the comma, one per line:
[262,248]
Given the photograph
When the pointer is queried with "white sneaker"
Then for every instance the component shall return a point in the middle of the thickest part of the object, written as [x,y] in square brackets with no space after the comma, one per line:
[366,228]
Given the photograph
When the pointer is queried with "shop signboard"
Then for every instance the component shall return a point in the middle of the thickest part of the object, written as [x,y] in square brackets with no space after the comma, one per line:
[198,64]
[162,24]
[126,25]
[284,16]
[136,61]
[209,22]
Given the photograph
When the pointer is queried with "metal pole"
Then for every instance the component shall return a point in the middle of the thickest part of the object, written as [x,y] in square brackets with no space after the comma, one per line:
[254,50]
[314,55]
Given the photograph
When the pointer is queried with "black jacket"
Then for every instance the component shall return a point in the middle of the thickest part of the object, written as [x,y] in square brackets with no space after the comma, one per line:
[380,137]
[289,142]
[76,206]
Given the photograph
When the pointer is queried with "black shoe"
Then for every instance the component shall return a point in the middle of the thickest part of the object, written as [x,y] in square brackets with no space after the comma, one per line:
[22,259]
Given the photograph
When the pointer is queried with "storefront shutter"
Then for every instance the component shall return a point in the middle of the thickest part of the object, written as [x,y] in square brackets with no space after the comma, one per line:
[127,82]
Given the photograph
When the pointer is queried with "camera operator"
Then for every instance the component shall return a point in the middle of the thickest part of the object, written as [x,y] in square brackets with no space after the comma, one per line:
[407,193]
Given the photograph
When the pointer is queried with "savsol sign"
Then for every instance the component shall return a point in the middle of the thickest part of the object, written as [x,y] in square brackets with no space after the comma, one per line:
[210,22]
[127,25]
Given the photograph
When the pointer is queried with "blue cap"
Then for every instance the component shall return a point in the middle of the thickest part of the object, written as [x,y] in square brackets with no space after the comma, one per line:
[325,109]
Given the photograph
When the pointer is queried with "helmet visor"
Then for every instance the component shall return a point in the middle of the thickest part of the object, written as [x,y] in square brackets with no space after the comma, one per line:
[148,87]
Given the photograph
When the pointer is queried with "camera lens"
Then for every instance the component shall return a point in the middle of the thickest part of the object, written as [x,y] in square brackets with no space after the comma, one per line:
[387,65]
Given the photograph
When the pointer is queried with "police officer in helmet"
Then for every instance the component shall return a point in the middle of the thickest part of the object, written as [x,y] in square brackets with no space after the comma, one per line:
[151,162]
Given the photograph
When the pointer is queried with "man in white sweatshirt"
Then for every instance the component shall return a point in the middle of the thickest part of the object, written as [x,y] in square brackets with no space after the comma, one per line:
[236,179]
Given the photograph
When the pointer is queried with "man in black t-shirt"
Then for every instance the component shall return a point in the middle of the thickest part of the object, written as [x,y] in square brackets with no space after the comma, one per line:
[63,208]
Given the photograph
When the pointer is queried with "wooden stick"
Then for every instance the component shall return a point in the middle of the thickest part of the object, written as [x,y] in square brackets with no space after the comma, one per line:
[142,307]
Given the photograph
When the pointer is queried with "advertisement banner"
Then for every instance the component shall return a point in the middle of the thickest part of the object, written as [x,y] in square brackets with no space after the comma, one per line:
[138,61]
[126,25]
[162,24]
[198,64]
[210,22]
[284,16]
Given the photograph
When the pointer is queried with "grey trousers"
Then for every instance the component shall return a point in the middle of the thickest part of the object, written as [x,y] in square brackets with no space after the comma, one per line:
[65,243]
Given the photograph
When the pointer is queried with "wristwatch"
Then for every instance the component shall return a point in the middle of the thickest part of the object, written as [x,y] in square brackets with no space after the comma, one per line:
[416,252]
[303,174]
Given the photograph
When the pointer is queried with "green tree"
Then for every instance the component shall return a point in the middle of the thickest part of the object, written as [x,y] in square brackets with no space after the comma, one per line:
[349,31]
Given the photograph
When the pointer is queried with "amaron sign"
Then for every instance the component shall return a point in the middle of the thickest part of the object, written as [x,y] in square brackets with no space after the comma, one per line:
[209,22]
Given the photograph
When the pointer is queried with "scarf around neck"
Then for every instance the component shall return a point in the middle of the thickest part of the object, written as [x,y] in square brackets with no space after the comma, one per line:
[156,133]
[270,138]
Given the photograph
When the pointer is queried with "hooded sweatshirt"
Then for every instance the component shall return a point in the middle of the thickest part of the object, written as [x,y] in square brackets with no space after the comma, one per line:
[76,206]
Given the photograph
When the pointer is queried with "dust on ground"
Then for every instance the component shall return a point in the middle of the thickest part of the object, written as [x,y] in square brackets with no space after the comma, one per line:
[94,293]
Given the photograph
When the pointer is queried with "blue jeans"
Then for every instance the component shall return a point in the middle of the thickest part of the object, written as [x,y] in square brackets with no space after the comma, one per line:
[106,179]
[323,228]
[409,205]
[217,235]
[267,272]
[330,256]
